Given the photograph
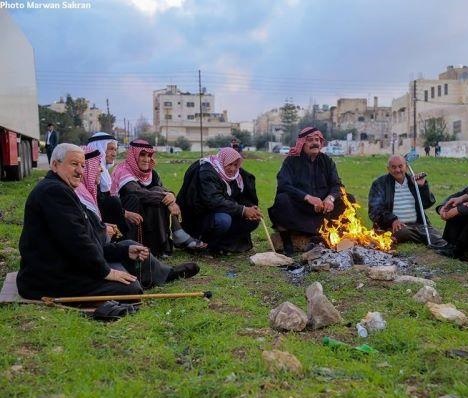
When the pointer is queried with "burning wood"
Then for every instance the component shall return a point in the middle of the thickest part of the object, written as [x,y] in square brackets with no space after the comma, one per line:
[348,226]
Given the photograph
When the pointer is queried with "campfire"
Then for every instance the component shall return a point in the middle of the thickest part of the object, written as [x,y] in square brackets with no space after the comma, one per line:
[348,226]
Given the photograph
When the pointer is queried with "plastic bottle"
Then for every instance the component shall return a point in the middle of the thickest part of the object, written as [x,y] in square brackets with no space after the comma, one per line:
[328,341]
[362,331]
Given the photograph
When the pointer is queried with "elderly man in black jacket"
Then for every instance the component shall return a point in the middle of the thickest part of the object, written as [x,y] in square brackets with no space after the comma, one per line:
[393,205]
[59,256]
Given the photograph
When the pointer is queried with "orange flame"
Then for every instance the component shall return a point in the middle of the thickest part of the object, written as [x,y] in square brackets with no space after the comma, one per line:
[348,226]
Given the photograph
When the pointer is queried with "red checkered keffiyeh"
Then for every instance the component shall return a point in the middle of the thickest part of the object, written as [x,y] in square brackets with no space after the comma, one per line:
[301,139]
[87,190]
[129,171]
[224,157]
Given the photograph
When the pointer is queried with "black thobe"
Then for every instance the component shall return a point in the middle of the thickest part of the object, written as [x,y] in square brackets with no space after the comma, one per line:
[112,211]
[204,193]
[300,176]
[147,201]
[456,228]
[60,253]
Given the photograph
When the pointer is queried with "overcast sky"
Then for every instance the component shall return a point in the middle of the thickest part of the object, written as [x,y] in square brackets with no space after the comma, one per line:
[253,54]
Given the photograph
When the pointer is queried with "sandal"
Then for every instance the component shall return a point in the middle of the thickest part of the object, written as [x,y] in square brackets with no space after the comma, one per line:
[112,311]
[192,244]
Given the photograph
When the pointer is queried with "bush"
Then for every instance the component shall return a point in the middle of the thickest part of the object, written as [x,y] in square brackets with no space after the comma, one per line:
[183,143]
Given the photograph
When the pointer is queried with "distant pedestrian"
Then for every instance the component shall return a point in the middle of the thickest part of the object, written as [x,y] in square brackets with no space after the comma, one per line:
[427,149]
[437,150]
[51,140]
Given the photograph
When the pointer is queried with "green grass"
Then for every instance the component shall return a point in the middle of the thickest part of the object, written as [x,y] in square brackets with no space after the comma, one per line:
[196,348]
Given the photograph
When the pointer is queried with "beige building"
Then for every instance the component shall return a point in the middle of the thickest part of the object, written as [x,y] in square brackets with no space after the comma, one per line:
[270,123]
[445,98]
[90,116]
[371,122]
[177,113]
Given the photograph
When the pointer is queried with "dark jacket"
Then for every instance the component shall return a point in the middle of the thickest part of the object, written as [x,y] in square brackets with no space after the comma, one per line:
[204,192]
[53,140]
[60,253]
[381,196]
[299,176]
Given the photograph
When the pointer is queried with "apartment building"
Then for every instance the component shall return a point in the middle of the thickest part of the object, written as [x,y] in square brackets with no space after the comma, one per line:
[89,118]
[177,113]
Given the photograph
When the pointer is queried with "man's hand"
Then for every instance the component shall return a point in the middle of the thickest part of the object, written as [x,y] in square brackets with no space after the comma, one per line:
[449,213]
[328,205]
[252,213]
[111,230]
[316,202]
[174,209]
[397,225]
[454,202]
[120,276]
[134,218]
[138,253]
[169,199]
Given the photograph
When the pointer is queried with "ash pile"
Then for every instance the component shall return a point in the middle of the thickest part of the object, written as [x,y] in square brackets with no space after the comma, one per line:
[348,255]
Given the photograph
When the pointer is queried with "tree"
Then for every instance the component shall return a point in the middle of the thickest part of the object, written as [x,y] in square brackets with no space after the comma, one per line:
[160,139]
[244,136]
[435,130]
[148,136]
[220,141]
[142,125]
[261,141]
[107,122]
[309,120]
[75,109]
[183,143]
[289,120]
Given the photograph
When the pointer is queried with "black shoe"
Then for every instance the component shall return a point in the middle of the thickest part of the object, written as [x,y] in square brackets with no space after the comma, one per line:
[186,270]
[448,251]
[288,248]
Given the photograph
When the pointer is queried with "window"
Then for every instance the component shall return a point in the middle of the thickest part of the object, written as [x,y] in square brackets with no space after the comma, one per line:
[432,92]
[190,104]
[205,104]
[426,95]
[439,91]
[360,118]
[457,127]
[167,103]
[445,89]
[168,117]
[190,117]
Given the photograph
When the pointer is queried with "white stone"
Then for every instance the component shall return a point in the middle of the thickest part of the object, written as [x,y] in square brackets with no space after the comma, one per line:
[414,279]
[383,272]
[271,259]
[287,316]
[427,294]
[447,312]
[320,311]
[373,322]
[281,361]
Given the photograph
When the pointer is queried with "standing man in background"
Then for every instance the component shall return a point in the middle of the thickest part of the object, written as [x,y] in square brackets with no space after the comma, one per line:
[51,140]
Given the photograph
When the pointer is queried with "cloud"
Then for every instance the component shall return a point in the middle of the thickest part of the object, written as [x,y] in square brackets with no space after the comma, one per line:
[152,7]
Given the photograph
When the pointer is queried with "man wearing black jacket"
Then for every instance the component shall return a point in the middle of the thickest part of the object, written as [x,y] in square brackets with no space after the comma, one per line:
[59,254]
[393,205]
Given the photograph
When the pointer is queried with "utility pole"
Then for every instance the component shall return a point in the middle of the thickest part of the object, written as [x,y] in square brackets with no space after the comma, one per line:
[125,132]
[107,103]
[414,115]
[201,113]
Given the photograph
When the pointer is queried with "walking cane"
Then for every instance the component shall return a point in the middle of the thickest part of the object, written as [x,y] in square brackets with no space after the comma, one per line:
[420,204]
[86,299]
[268,236]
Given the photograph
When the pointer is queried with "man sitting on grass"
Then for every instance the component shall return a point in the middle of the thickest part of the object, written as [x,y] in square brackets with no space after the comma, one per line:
[454,211]
[393,205]
[60,253]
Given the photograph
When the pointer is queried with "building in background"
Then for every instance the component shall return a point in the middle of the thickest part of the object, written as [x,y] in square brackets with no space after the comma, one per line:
[89,118]
[177,113]
[445,99]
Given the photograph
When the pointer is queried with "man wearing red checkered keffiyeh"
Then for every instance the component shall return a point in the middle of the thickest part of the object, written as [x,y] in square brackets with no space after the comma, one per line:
[141,191]
[308,190]
[87,190]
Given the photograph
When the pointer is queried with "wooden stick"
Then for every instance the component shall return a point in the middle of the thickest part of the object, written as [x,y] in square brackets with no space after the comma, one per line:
[268,236]
[84,299]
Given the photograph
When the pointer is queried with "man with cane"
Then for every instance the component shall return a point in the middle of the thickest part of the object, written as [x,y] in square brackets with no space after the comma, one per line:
[397,203]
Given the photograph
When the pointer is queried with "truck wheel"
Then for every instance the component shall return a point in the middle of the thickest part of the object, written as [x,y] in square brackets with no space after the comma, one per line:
[28,157]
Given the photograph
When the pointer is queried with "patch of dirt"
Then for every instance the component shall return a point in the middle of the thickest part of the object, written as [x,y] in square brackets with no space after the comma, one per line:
[219,306]
[239,353]
[251,332]
[203,280]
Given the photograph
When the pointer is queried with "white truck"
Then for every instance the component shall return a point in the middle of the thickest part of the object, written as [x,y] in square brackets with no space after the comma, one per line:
[19,117]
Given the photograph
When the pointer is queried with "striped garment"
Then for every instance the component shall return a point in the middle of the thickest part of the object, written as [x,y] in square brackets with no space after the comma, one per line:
[404,203]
